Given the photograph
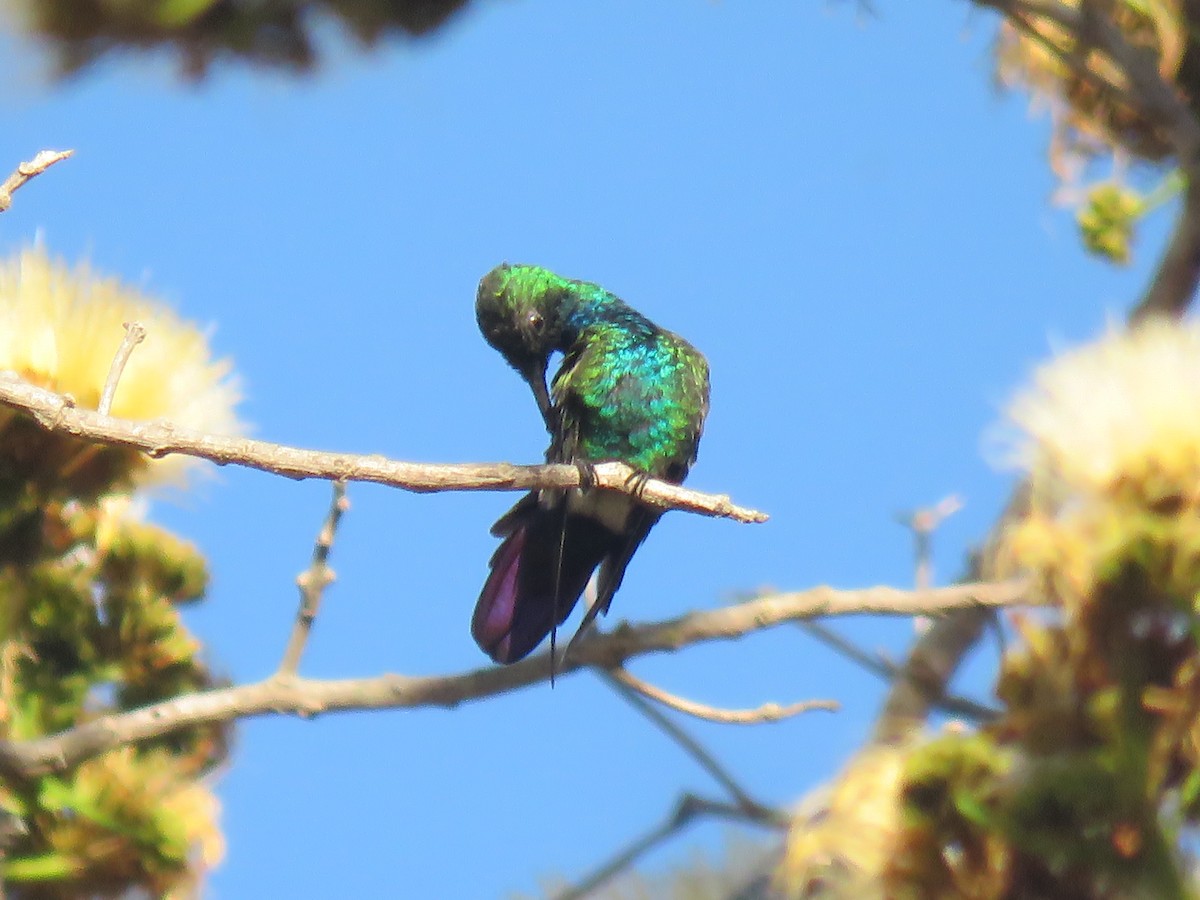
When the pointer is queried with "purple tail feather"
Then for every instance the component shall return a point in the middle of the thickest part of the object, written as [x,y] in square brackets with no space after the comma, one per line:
[537,575]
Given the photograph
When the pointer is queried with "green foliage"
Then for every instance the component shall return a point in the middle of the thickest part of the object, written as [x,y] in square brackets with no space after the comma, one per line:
[91,626]
[1082,787]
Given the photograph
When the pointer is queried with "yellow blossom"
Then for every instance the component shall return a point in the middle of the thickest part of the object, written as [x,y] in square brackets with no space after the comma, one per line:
[60,328]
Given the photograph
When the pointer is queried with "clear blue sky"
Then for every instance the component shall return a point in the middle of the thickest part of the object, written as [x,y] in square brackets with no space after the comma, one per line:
[840,211]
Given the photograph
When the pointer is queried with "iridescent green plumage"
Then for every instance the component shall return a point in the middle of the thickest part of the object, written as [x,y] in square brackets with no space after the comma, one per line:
[626,390]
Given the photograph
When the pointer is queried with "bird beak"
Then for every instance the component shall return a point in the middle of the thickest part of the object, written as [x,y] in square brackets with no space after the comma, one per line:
[536,376]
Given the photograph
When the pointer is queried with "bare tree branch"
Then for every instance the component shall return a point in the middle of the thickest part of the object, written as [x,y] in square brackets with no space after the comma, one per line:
[768,712]
[28,170]
[687,810]
[1174,284]
[313,581]
[58,413]
[308,697]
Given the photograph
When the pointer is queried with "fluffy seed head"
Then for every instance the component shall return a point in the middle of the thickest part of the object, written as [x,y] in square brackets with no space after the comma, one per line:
[60,328]
[1122,411]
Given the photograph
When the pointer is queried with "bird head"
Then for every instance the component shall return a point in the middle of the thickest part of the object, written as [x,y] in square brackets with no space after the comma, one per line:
[519,311]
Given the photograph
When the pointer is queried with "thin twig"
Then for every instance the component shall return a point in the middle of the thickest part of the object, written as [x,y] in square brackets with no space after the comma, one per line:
[690,745]
[877,664]
[874,663]
[135,333]
[28,170]
[58,413]
[768,712]
[687,810]
[923,523]
[313,581]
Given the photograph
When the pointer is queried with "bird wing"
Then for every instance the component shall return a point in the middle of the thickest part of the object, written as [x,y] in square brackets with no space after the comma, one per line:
[586,387]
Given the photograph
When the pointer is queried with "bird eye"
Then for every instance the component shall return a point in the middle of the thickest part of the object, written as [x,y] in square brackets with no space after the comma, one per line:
[536,321]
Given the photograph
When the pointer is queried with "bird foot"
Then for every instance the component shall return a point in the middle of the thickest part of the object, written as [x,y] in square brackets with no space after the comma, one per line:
[588,478]
[637,483]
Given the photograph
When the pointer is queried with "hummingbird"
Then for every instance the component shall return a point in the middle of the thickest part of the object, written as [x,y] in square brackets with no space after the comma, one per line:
[626,390]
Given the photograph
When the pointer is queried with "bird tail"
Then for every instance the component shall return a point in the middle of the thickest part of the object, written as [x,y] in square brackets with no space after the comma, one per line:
[537,575]
[612,570]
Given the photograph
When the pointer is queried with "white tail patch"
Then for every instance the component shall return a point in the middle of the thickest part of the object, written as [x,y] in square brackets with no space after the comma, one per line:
[610,508]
